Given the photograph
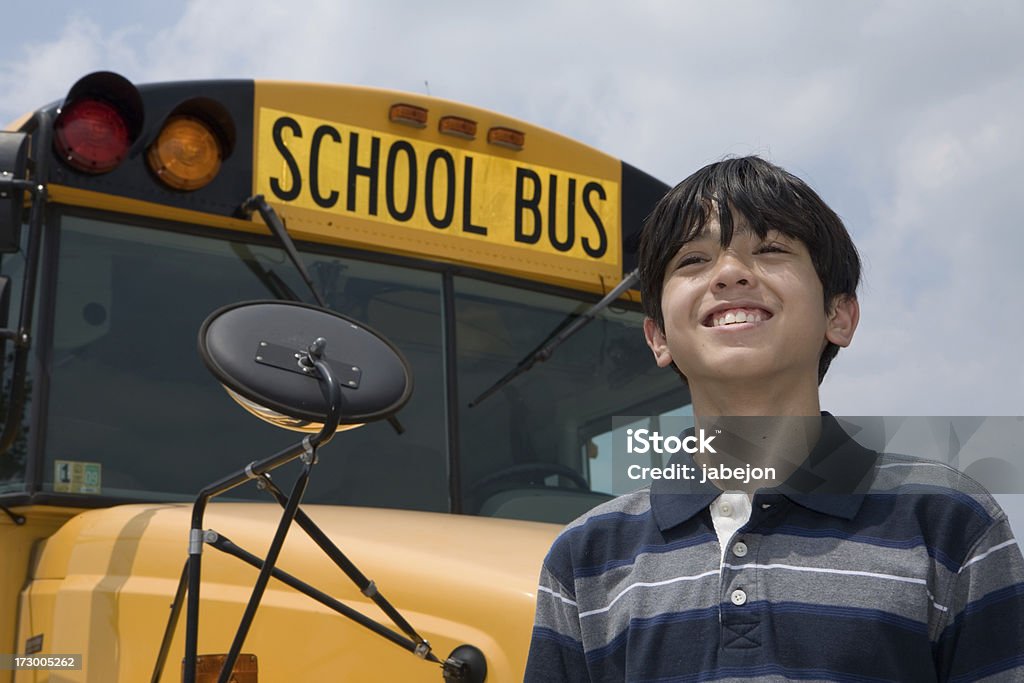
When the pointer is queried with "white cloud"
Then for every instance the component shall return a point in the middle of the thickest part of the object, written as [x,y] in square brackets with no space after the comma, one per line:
[944,247]
[45,71]
[237,40]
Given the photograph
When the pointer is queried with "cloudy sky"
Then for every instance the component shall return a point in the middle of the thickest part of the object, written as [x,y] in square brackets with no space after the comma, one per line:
[905,116]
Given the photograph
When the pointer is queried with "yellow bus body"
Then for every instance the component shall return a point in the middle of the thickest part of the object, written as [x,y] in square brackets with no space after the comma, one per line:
[101,585]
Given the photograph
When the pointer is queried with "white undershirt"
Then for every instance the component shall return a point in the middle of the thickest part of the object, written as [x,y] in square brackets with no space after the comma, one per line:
[729,512]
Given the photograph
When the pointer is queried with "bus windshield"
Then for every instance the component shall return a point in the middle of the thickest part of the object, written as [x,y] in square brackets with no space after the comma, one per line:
[133,414]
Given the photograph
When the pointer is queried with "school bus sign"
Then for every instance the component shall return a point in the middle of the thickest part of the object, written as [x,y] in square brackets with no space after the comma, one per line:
[461,202]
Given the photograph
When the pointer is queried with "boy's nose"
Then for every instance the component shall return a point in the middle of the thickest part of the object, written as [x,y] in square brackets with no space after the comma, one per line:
[731,271]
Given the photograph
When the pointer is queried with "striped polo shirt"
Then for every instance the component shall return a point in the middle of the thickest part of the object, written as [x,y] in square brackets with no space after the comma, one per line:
[862,567]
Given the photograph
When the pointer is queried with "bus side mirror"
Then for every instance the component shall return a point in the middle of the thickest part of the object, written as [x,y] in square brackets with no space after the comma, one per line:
[257,350]
[13,165]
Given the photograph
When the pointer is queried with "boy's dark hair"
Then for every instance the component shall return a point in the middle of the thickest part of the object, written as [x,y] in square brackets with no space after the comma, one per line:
[768,198]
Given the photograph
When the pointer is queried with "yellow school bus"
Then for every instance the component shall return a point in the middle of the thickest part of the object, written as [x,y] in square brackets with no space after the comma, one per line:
[465,237]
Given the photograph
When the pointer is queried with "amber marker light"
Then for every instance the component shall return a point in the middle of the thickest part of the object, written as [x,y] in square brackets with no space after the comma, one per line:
[408,114]
[187,153]
[506,137]
[457,126]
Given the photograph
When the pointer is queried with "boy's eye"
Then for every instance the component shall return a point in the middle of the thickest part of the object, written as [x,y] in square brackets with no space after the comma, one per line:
[772,248]
[690,260]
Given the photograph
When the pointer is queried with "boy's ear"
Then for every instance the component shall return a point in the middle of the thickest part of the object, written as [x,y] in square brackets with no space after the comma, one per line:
[656,340]
[842,321]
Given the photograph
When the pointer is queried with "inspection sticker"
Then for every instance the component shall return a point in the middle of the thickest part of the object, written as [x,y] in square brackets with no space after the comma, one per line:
[72,476]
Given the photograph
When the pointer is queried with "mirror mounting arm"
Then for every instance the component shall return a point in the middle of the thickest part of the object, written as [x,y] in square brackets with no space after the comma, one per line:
[332,393]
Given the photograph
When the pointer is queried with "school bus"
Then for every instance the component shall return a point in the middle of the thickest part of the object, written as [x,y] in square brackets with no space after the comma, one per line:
[465,237]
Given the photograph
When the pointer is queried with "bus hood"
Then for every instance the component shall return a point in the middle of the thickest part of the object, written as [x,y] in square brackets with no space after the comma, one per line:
[101,586]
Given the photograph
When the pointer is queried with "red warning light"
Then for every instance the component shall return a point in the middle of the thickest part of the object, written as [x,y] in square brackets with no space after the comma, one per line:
[92,136]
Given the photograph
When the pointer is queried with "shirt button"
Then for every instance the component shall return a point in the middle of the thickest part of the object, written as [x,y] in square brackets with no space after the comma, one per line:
[726,509]
[739,597]
[740,549]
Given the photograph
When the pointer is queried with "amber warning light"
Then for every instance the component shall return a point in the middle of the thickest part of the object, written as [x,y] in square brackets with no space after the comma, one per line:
[186,154]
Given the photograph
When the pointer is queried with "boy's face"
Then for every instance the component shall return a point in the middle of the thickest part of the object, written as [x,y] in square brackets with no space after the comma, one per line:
[751,311]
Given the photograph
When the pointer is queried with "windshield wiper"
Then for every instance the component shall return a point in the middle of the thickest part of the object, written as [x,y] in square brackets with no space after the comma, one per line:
[273,221]
[259,204]
[271,280]
[557,337]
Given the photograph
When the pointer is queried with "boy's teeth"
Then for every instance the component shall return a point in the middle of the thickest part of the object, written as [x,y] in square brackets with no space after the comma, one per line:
[737,317]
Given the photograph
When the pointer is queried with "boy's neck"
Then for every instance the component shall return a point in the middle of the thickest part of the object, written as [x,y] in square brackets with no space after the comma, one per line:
[769,398]
[774,428]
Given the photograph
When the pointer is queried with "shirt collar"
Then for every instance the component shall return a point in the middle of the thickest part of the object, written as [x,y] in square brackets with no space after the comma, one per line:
[831,480]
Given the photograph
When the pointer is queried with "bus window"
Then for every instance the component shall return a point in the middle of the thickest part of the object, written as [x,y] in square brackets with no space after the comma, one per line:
[134,414]
[526,451]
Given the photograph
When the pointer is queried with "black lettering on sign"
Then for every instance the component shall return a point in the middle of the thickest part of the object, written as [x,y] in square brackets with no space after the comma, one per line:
[444,220]
[570,225]
[467,200]
[602,236]
[355,170]
[314,166]
[523,204]
[389,181]
[289,160]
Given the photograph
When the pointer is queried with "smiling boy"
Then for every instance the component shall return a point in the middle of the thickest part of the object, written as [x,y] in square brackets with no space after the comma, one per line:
[850,565]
